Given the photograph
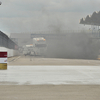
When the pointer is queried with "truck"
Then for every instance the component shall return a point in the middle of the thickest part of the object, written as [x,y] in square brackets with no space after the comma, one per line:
[28,50]
[39,46]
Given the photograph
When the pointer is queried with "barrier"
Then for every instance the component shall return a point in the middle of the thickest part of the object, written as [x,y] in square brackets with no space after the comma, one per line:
[11,53]
[3,58]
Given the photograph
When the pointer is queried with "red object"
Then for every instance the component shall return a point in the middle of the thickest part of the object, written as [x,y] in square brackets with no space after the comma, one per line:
[3,54]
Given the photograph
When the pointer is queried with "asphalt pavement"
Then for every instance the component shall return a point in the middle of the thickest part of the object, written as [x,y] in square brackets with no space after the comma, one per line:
[50,79]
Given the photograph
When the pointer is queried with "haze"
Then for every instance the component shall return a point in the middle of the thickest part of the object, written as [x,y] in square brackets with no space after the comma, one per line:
[44,15]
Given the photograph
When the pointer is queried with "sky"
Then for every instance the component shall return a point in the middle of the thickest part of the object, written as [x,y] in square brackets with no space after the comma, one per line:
[23,16]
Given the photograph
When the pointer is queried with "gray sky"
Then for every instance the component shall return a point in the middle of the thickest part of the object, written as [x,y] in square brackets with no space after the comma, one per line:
[42,15]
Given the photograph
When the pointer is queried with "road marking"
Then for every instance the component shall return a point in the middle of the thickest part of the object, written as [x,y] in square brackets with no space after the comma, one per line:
[14,59]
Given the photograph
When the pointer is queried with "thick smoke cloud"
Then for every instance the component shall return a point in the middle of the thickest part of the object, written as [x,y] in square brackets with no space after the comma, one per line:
[70,45]
[73,46]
